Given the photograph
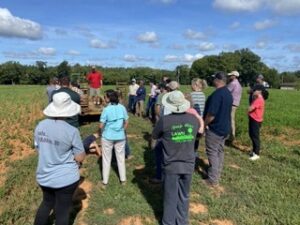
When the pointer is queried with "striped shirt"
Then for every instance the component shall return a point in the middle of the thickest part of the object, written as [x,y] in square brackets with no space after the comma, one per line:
[198,100]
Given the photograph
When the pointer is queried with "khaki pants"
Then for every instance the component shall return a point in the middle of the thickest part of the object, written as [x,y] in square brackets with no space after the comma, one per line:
[140,108]
[107,148]
[233,111]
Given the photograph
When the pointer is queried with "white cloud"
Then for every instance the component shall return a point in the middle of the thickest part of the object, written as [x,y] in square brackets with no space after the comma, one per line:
[96,43]
[191,58]
[206,46]
[47,51]
[148,37]
[287,7]
[293,48]
[130,58]
[261,44]
[164,1]
[176,46]
[235,25]
[167,1]
[266,24]
[186,58]
[191,34]
[284,6]
[12,26]
[238,5]
[73,52]
[171,58]
[21,55]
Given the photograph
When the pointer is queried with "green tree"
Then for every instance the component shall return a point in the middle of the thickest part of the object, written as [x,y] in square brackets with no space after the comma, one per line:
[11,72]
[63,69]
[183,73]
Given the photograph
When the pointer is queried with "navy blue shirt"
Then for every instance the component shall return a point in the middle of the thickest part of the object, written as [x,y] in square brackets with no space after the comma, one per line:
[219,105]
[141,93]
[88,141]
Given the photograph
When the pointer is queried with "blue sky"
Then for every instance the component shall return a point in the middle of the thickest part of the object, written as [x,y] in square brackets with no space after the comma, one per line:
[155,33]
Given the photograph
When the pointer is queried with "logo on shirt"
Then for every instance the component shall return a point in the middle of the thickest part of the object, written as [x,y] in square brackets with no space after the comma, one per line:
[43,138]
[182,133]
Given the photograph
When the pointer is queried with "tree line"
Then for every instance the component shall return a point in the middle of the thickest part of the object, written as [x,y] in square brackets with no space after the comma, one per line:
[245,61]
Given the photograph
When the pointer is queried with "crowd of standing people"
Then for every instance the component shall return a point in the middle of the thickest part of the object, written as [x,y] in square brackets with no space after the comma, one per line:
[179,122]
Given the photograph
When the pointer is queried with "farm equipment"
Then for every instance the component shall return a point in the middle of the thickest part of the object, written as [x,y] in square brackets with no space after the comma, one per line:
[87,105]
[88,108]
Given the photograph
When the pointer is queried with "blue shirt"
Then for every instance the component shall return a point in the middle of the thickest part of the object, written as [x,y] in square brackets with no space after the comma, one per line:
[57,142]
[113,117]
[141,93]
[219,105]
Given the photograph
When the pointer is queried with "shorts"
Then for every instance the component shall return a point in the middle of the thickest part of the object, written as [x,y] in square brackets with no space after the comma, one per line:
[94,91]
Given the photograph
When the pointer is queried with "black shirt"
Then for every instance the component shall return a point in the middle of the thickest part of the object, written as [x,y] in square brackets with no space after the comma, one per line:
[88,141]
[177,132]
[219,105]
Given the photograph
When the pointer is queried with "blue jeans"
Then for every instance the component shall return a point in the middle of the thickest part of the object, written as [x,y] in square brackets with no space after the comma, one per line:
[151,107]
[131,103]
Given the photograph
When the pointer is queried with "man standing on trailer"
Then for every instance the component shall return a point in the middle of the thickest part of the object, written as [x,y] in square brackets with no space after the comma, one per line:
[95,81]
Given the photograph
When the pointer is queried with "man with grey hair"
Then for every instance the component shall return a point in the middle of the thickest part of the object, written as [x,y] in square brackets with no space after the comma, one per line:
[217,118]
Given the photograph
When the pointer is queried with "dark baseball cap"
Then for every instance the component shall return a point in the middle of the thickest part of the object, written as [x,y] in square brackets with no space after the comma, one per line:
[220,76]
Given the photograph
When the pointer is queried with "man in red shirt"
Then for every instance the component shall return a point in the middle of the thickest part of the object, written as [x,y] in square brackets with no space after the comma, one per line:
[95,81]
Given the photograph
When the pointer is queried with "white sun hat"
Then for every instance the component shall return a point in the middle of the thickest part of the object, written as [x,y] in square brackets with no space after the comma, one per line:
[62,106]
[175,102]
[234,73]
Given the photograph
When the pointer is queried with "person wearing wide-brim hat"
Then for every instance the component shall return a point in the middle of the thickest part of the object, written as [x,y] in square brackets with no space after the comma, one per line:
[177,132]
[60,150]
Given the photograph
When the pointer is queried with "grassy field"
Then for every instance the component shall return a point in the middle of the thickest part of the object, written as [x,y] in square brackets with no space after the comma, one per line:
[261,192]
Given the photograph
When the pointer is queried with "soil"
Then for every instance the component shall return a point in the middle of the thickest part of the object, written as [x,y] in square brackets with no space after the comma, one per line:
[134,136]
[82,197]
[136,220]
[131,221]
[139,167]
[197,208]
[222,222]
[288,137]
[218,190]
[3,170]
[234,166]
[109,211]
[20,150]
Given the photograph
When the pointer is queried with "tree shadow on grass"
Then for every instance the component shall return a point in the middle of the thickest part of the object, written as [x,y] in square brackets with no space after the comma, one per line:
[153,193]
[78,197]
[201,167]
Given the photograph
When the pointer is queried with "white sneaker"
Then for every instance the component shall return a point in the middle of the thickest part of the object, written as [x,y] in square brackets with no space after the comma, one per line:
[254,157]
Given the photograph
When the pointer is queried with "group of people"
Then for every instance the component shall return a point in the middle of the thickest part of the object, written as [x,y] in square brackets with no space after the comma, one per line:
[180,121]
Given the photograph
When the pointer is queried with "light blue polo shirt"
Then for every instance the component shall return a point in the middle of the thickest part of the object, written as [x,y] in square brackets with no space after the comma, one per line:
[113,117]
[57,142]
